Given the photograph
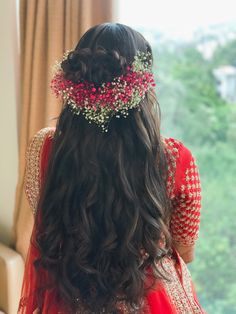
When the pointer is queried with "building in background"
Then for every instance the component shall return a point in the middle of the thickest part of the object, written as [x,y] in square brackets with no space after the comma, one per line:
[226,82]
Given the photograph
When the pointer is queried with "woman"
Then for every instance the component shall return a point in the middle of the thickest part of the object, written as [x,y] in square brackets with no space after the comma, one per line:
[117,206]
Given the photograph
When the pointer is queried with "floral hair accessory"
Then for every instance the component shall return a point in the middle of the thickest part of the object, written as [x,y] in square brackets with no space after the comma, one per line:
[99,104]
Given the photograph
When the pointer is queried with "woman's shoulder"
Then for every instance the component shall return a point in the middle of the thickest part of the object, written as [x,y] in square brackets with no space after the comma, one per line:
[36,160]
[176,150]
[38,147]
[180,162]
[38,141]
[41,135]
[172,144]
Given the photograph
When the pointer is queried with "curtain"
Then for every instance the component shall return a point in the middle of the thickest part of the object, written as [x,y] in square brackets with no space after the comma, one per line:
[47,29]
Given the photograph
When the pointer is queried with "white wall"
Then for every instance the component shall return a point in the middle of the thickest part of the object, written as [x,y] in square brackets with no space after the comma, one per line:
[9,101]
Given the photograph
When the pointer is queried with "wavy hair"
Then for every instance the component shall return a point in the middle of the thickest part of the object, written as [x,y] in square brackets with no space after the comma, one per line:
[104,201]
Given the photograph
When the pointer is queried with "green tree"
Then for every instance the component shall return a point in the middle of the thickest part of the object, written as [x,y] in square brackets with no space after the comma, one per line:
[193,111]
[225,54]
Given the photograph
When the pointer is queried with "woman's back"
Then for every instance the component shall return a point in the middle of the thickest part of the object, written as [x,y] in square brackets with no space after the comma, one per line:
[113,198]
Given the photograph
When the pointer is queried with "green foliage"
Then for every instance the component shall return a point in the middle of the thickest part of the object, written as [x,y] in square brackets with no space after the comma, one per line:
[225,55]
[194,113]
[214,269]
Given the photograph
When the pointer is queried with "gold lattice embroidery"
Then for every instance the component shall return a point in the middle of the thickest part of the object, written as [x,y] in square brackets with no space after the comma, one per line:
[186,217]
[32,175]
[186,201]
[172,154]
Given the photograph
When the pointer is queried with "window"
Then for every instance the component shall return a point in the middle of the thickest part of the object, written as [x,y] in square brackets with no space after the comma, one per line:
[194,46]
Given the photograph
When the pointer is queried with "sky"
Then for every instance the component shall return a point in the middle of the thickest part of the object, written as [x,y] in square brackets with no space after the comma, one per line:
[178,18]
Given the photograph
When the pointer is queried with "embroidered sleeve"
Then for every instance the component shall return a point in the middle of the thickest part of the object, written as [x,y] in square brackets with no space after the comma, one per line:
[185,218]
[33,166]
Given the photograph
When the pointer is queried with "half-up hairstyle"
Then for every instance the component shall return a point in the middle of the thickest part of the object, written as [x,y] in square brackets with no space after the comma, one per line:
[103,213]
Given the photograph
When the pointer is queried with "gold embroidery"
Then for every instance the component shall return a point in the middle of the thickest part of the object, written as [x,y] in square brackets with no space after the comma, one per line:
[187,284]
[186,205]
[172,154]
[180,294]
[32,176]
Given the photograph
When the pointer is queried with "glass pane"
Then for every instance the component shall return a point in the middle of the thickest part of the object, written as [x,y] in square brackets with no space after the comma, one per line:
[194,46]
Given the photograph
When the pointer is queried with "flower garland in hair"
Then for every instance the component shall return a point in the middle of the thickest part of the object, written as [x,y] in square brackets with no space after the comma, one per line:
[115,98]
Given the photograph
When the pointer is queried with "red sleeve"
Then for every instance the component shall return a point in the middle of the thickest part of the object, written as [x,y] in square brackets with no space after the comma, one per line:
[185,217]
[36,164]
[46,150]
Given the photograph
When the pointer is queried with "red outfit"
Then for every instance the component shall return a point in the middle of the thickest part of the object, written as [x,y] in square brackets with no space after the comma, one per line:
[176,295]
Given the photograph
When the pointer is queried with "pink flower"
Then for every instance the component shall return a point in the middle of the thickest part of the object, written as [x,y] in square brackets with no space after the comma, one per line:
[117,93]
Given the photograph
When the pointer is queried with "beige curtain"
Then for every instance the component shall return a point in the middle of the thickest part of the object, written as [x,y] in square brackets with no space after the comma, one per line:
[47,28]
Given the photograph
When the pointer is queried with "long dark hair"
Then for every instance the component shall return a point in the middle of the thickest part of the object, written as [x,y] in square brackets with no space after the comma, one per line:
[104,201]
